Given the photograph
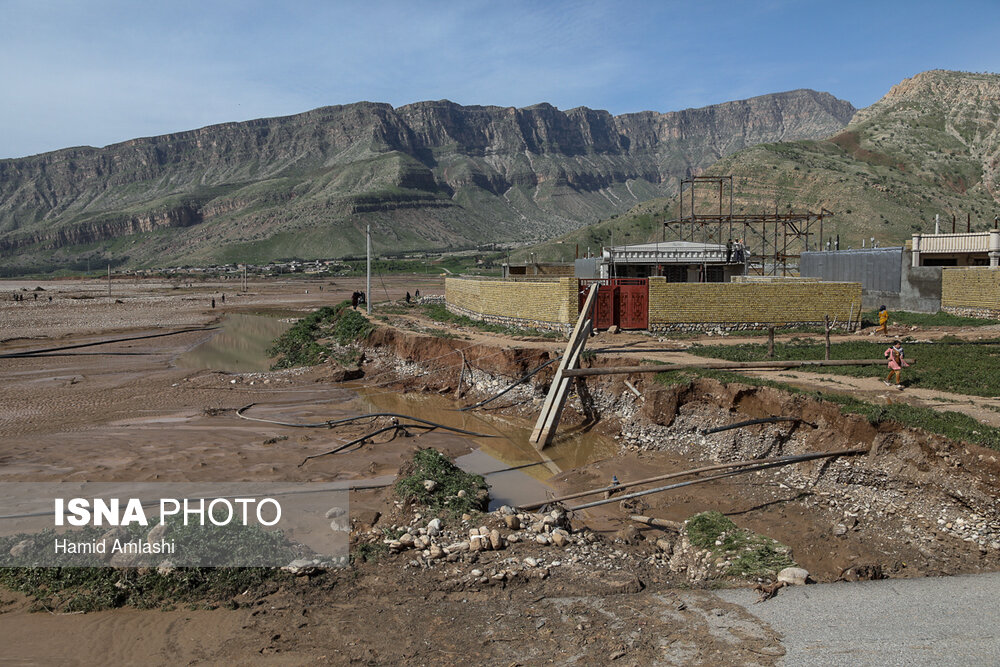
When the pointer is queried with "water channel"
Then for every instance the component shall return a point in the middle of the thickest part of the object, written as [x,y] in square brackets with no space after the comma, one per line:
[514,469]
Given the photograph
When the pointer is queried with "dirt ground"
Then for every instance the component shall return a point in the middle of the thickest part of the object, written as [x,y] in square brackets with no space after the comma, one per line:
[129,412]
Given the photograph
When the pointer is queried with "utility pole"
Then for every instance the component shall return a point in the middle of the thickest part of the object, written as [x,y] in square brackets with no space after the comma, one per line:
[368,283]
[109,281]
[244,277]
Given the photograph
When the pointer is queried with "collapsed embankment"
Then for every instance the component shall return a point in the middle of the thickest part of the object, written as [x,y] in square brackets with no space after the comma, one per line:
[917,504]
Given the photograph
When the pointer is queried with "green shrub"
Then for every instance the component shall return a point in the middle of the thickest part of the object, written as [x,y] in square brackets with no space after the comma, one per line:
[301,346]
[430,464]
[750,555]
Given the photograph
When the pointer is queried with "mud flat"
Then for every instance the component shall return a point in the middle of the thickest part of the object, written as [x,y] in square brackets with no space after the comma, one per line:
[609,591]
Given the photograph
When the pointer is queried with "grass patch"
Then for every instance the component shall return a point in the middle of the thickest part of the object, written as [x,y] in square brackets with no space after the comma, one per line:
[750,555]
[302,345]
[70,589]
[953,425]
[449,479]
[946,365]
[938,319]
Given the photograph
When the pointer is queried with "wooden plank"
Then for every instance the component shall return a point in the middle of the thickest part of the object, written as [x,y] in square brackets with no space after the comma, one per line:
[574,339]
[561,382]
[715,365]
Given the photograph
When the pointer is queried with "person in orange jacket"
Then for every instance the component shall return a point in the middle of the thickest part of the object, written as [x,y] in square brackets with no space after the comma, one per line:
[883,320]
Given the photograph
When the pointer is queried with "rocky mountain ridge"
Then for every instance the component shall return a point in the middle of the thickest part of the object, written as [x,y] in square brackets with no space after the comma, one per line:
[930,147]
[425,175]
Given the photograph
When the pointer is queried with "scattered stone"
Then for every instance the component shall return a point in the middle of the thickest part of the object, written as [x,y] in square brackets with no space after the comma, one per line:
[157,533]
[795,576]
[530,562]
[461,494]
[430,485]
[476,573]
[512,522]
[629,535]
[559,539]
[840,530]
[165,568]
[496,541]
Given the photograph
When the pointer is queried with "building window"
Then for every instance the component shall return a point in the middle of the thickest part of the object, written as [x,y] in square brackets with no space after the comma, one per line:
[675,274]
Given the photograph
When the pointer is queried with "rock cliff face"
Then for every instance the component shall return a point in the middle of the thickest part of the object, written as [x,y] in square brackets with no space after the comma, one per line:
[930,147]
[430,174]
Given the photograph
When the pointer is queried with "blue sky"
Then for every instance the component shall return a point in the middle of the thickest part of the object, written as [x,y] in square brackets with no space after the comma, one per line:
[94,72]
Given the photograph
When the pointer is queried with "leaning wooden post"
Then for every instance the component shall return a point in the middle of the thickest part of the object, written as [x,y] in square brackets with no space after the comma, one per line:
[827,318]
[770,342]
[548,419]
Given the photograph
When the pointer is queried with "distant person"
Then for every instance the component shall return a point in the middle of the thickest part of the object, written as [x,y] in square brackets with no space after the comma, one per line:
[363,298]
[407,297]
[213,303]
[416,295]
[883,320]
[729,251]
[355,298]
[896,363]
[223,298]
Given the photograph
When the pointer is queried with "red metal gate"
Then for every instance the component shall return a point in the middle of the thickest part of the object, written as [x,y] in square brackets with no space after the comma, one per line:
[621,301]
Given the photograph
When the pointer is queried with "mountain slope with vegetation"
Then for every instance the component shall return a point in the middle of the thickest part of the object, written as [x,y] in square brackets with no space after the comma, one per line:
[930,147]
[428,175]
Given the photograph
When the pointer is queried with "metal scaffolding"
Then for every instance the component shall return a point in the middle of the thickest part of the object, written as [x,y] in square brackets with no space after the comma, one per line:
[770,240]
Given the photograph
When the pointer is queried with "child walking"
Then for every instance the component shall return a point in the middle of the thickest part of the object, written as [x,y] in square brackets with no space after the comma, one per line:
[896,363]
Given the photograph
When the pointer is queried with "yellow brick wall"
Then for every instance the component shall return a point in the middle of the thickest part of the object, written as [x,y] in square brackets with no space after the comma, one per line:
[972,289]
[751,303]
[553,301]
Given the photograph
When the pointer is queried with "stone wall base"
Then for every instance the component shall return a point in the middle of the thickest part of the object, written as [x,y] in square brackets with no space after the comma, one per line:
[516,322]
[738,326]
[980,313]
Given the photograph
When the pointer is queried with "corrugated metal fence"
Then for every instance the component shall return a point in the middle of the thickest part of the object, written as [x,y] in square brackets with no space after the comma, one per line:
[877,269]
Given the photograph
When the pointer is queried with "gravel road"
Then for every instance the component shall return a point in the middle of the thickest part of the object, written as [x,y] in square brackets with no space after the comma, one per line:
[931,621]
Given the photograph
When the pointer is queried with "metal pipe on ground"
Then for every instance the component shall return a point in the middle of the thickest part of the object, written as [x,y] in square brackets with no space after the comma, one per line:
[765,420]
[685,473]
[29,353]
[371,416]
[675,526]
[756,468]
[716,365]
[511,386]
[362,439]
